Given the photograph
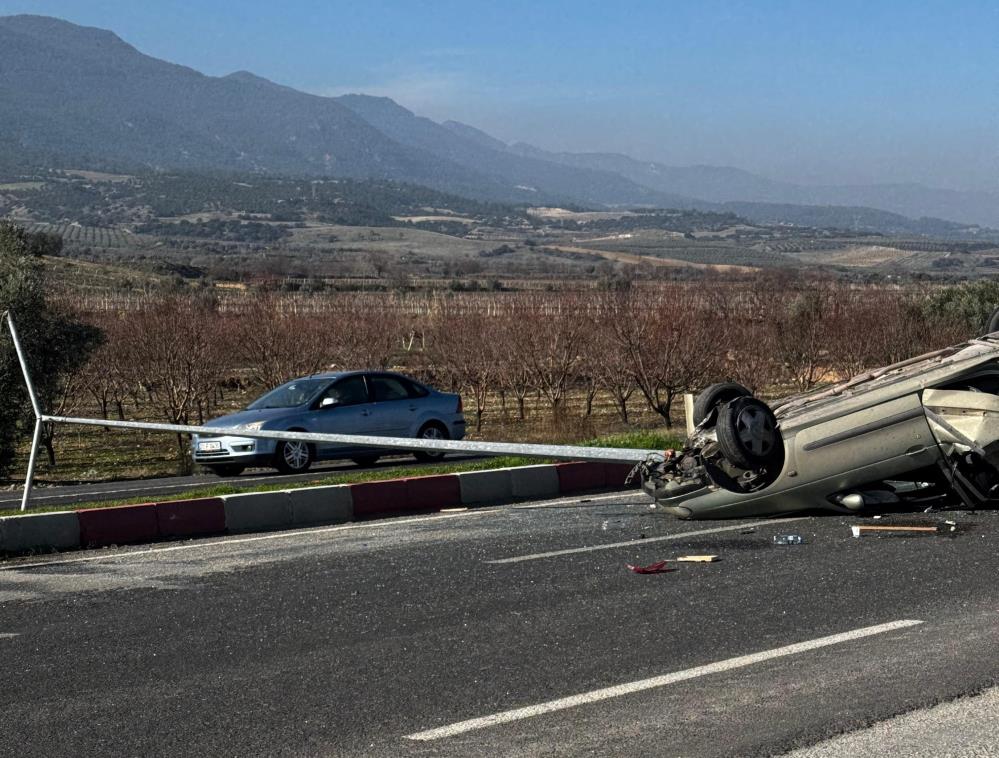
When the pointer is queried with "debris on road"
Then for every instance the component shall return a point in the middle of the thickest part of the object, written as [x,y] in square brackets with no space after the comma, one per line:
[860,529]
[748,530]
[697,559]
[788,539]
[652,568]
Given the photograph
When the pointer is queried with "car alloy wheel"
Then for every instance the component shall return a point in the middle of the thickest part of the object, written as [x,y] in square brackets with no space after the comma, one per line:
[293,457]
[747,433]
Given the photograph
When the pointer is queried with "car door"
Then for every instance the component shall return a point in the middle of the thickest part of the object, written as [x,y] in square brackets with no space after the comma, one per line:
[350,413]
[392,408]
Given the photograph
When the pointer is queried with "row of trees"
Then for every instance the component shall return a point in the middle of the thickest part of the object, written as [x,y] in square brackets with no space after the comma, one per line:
[178,359]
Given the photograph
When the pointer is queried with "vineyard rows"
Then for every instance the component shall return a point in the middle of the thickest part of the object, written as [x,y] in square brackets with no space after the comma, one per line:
[91,236]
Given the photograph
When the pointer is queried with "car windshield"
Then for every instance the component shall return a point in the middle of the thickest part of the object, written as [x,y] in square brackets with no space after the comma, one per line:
[289,395]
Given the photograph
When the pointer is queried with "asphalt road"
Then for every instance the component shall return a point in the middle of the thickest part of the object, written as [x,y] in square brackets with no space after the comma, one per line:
[152,488]
[497,632]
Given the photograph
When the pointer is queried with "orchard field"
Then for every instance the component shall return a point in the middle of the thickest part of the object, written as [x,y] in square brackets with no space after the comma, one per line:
[559,366]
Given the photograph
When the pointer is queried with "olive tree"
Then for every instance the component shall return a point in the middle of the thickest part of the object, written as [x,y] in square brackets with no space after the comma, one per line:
[55,342]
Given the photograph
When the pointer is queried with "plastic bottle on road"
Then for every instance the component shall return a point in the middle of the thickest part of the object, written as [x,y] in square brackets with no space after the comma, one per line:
[788,539]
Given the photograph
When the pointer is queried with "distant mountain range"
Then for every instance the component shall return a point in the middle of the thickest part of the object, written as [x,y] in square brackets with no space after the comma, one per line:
[82,97]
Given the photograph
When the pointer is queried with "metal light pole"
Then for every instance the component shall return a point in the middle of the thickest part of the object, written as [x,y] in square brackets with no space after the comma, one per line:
[36,438]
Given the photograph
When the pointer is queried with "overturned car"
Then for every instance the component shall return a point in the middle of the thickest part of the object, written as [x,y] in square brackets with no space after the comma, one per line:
[923,432]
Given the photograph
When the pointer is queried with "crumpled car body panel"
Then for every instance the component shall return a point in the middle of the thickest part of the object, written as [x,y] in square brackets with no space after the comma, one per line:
[869,435]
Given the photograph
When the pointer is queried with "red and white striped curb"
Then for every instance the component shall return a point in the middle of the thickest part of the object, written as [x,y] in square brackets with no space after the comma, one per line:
[309,506]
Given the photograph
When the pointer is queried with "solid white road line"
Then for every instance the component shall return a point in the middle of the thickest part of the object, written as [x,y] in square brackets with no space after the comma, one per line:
[630,543]
[286,534]
[606,693]
[577,500]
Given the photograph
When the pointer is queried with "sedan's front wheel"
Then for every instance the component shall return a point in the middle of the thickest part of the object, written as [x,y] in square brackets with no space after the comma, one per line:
[293,457]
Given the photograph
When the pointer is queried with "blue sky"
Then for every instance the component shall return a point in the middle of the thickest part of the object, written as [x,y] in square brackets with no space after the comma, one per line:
[808,91]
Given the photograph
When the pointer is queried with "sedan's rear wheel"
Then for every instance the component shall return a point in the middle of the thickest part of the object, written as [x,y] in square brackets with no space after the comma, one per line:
[293,457]
[431,431]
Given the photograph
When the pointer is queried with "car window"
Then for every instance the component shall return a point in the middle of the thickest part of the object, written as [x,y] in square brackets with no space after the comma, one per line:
[289,395]
[349,391]
[414,389]
[388,388]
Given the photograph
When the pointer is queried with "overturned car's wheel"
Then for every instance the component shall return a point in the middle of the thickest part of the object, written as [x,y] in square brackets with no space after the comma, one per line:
[747,433]
[715,395]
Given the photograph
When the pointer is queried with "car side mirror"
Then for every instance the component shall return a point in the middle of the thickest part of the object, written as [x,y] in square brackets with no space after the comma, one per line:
[329,402]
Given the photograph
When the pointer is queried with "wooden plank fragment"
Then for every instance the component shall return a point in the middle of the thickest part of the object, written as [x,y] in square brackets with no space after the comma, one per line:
[859,530]
[697,559]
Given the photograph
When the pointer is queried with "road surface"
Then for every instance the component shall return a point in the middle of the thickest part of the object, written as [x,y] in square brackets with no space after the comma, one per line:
[508,631]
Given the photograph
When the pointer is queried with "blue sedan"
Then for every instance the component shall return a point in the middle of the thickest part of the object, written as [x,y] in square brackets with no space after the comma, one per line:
[376,403]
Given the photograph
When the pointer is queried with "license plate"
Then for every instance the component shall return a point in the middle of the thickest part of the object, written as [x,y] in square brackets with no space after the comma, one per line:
[209,447]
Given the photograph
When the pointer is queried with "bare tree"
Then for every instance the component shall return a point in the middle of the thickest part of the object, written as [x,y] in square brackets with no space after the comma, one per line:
[173,353]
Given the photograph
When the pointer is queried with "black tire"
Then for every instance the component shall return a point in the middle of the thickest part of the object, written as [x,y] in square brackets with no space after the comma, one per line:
[715,395]
[431,431]
[228,469]
[366,460]
[748,434]
[992,325]
[294,457]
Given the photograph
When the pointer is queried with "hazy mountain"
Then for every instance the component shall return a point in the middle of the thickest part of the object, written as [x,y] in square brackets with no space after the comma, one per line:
[83,93]
[72,95]
[854,218]
[476,135]
[722,184]
[474,149]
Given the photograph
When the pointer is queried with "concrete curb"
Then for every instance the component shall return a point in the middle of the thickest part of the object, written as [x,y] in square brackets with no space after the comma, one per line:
[53,531]
[284,509]
[321,505]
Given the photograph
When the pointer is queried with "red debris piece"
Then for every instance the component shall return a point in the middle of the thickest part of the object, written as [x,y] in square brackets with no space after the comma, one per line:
[652,568]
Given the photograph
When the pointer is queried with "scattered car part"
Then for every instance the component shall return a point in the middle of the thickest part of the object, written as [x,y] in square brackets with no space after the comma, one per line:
[652,568]
[863,529]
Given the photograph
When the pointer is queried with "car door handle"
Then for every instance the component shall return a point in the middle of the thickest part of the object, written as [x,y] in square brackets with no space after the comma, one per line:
[365,413]
[413,408]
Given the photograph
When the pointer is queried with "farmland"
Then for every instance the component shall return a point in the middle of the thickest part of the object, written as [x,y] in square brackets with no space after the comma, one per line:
[350,234]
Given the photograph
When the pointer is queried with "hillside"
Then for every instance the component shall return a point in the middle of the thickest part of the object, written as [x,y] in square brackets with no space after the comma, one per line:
[724,184]
[77,93]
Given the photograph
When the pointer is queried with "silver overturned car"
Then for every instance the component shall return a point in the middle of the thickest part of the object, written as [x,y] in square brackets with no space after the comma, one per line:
[367,403]
[923,432]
